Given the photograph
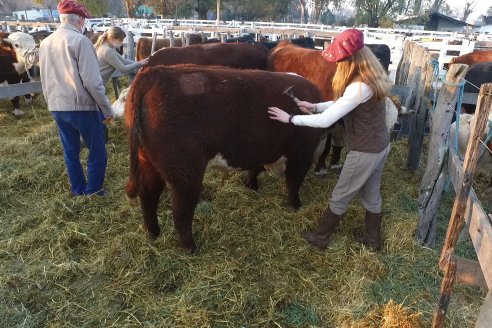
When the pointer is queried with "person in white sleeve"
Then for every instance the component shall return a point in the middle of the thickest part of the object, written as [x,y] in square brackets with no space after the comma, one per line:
[360,86]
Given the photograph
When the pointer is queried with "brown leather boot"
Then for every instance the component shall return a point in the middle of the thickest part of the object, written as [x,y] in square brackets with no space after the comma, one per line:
[372,237]
[326,225]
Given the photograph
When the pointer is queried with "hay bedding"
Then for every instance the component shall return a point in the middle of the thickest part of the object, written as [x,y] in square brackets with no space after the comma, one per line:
[87,261]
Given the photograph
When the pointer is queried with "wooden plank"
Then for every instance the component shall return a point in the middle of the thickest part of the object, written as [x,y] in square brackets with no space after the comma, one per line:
[470,273]
[432,185]
[417,128]
[484,319]
[470,162]
[445,294]
[14,90]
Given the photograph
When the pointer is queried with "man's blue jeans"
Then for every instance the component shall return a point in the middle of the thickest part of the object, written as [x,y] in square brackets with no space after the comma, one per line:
[71,126]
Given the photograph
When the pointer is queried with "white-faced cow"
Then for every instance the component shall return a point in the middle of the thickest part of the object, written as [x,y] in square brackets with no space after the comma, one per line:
[184,119]
[17,55]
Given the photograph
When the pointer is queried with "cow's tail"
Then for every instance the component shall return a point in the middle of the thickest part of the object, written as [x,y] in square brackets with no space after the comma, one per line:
[133,108]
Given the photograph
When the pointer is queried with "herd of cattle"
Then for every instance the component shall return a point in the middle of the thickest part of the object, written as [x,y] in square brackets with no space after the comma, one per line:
[219,93]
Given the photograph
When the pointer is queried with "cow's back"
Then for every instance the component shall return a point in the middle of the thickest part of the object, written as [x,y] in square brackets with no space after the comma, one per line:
[308,63]
[144,46]
[235,55]
[473,58]
[218,111]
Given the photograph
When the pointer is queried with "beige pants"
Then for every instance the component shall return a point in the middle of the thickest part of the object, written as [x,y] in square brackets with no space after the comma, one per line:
[361,173]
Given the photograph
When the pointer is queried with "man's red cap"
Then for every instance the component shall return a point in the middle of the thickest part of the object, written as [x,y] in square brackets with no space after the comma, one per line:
[73,7]
[345,45]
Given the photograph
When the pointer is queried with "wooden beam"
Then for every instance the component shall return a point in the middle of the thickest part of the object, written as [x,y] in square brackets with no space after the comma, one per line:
[469,272]
[470,163]
[14,90]
[478,222]
[485,316]
[445,295]
[432,185]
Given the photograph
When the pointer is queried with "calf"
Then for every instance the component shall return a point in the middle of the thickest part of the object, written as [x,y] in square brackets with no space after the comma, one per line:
[17,55]
[184,119]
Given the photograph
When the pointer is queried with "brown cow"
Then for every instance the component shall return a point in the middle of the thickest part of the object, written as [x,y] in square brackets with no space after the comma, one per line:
[473,58]
[184,119]
[144,45]
[236,55]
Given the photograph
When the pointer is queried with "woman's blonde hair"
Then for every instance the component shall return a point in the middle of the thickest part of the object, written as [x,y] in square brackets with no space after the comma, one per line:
[112,33]
[362,66]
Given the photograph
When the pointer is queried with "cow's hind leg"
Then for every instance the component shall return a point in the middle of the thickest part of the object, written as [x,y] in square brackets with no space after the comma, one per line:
[16,103]
[185,200]
[149,192]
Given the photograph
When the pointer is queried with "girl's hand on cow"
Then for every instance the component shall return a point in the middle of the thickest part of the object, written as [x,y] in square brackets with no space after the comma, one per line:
[144,61]
[278,114]
[306,107]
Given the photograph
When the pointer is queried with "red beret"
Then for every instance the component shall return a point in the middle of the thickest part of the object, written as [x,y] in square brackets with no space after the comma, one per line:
[73,7]
[345,45]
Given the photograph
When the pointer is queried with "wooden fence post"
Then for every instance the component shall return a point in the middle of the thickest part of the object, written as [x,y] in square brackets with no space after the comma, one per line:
[172,42]
[445,295]
[422,104]
[432,185]
[130,52]
[154,42]
[469,165]
[448,261]
[485,316]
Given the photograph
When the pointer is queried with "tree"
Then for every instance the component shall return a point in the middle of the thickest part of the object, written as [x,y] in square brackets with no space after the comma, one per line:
[132,5]
[96,7]
[436,5]
[303,4]
[489,11]
[202,7]
[371,11]
[469,8]
[318,8]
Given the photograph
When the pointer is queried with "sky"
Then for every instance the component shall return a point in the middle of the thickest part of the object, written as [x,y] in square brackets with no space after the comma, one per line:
[480,8]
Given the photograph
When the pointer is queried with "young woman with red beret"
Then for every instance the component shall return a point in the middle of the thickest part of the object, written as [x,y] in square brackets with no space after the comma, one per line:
[360,86]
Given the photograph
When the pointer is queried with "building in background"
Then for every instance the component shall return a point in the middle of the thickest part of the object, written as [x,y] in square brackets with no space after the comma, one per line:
[39,14]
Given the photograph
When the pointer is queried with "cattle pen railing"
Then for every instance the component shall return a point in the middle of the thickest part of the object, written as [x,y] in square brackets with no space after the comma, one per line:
[467,210]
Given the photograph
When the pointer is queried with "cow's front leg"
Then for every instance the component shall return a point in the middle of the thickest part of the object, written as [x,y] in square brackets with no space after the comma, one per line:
[252,179]
[296,169]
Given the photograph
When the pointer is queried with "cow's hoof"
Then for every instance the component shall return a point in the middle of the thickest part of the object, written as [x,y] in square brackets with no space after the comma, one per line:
[251,184]
[188,247]
[153,232]
[321,172]
[18,113]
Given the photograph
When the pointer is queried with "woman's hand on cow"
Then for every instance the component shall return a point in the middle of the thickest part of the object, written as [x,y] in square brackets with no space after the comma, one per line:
[143,61]
[306,107]
[278,114]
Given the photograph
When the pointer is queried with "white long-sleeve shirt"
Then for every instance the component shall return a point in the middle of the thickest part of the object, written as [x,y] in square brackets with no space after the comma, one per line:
[355,94]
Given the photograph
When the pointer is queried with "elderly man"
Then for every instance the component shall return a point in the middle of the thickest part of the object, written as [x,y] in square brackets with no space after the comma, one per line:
[75,94]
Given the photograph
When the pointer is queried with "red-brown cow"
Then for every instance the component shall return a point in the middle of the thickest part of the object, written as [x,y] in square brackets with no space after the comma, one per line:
[473,58]
[184,119]
[236,55]
[144,45]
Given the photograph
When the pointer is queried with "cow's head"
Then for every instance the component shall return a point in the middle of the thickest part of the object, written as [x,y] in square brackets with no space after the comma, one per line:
[119,105]
[25,49]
